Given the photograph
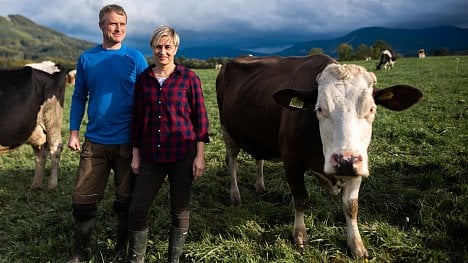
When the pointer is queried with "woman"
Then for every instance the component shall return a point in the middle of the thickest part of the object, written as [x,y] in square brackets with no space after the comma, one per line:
[169,132]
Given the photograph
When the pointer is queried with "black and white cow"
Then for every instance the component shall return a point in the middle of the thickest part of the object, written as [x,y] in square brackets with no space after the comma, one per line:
[421,53]
[313,114]
[387,59]
[31,113]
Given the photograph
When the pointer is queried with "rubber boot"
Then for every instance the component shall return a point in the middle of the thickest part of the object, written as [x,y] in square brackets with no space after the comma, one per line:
[82,235]
[122,242]
[121,210]
[137,246]
[177,238]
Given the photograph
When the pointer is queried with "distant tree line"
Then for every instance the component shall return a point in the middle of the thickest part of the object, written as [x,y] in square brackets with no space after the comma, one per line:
[346,52]
[201,63]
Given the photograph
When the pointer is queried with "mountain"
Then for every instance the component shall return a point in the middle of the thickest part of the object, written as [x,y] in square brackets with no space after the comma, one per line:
[22,39]
[404,41]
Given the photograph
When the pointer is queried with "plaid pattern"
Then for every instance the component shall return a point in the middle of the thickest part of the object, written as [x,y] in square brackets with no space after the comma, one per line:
[168,120]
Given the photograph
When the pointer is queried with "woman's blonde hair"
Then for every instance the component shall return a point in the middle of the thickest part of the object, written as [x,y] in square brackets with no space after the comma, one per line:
[164,31]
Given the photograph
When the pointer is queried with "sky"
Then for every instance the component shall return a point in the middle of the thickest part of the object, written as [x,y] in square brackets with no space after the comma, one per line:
[260,25]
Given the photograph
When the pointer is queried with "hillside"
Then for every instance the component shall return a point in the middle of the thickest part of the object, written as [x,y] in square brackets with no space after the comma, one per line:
[22,39]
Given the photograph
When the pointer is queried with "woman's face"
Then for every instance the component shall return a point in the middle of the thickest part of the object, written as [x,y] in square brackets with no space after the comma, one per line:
[164,52]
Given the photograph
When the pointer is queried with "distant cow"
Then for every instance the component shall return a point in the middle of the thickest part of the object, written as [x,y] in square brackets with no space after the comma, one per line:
[218,66]
[387,59]
[313,114]
[421,53]
[71,76]
[31,112]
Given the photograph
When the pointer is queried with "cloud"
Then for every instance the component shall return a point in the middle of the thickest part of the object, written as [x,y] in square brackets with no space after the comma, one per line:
[241,22]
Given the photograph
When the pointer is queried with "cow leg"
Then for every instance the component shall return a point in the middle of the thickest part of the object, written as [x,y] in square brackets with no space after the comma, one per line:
[55,152]
[295,179]
[52,118]
[40,154]
[349,199]
[232,151]
[259,182]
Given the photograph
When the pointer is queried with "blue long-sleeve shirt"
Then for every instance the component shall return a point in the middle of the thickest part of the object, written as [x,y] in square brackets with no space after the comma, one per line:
[105,79]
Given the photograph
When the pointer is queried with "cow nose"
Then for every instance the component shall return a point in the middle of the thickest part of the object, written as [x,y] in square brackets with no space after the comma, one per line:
[346,163]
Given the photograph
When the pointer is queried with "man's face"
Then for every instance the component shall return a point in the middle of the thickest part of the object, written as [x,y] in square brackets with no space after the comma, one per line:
[114,28]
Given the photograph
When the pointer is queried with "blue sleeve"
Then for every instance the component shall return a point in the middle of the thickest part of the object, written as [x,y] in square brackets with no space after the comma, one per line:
[79,98]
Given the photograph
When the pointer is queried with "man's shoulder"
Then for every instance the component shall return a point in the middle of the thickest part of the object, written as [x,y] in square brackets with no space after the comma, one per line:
[94,49]
[131,51]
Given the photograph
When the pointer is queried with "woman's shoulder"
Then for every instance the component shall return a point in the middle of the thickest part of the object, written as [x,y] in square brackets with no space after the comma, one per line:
[186,71]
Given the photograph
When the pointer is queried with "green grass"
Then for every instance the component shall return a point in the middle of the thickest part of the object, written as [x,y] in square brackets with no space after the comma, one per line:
[413,207]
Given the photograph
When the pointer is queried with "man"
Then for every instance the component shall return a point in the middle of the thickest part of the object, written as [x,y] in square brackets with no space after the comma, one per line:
[105,79]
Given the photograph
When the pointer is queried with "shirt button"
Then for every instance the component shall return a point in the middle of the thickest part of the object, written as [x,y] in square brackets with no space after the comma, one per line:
[159,102]
[159,145]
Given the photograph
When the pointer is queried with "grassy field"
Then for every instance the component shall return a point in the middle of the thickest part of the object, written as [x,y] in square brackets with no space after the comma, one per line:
[413,207]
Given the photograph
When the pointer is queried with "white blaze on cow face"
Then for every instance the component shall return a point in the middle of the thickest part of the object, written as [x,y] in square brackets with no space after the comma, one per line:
[345,109]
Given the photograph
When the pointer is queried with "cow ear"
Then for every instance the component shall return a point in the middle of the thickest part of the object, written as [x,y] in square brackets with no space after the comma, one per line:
[398,97]
[293,99]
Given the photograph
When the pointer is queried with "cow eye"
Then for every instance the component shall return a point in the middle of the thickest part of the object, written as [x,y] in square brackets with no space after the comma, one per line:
[320,112]
[371,113]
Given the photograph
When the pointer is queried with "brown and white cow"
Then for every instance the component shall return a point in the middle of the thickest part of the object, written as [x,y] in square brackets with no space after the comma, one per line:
[71,76]
[313,114]
[31,113]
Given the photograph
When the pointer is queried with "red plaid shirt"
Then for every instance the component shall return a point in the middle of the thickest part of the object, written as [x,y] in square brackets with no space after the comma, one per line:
[168,120]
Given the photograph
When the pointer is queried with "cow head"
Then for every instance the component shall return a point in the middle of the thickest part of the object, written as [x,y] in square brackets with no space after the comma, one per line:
[345,105]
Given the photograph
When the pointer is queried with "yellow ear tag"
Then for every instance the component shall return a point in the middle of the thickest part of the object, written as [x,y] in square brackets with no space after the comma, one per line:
[296,103]
[386,96]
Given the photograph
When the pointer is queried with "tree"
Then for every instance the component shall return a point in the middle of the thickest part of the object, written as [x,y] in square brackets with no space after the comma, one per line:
[345,52]
[362,52]
[315,51]
[441,52]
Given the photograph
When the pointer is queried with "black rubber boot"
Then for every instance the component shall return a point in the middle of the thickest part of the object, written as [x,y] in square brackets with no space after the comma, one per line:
[137,246]
[177,238]
[121,211]
[82,235]
[122,242]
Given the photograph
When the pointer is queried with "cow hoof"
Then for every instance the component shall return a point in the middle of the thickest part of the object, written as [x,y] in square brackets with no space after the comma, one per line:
[260,190]
[52,186]
[35,189]
[236,202]
[301,247]
[361,254]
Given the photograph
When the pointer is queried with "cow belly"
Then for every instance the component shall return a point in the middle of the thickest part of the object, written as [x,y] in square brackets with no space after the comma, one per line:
[257,139]
[38,136]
